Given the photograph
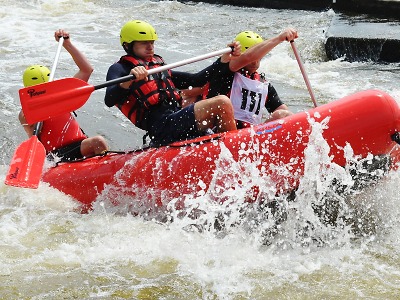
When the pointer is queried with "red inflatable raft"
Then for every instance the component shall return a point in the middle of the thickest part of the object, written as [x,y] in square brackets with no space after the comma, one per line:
[368,121]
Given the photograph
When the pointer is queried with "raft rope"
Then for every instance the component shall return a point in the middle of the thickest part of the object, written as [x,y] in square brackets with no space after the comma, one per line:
[102,154]
[177,144]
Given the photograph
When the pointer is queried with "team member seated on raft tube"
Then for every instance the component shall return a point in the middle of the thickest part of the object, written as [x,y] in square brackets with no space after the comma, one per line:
[61,136]
[241,75]
[153,103]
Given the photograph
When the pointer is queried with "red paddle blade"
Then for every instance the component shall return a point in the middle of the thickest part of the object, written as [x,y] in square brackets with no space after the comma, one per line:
[27,164]
[46,100]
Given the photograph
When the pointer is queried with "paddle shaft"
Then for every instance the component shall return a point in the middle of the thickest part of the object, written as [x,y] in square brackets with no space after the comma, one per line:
[38,126]
[165,67]
[53,68]
[303,72]
[49,99]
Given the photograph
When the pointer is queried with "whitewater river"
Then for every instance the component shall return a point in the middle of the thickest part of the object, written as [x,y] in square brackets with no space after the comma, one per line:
[50,251]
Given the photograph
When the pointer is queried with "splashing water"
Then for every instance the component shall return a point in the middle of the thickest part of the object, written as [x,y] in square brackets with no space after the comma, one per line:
[48,251]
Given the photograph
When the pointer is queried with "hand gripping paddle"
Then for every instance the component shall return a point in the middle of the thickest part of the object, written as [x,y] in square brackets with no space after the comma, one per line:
[50,99]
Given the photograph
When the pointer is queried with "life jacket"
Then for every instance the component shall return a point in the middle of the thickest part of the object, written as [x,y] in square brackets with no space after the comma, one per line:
[145,94]
[255,76]
[60,131]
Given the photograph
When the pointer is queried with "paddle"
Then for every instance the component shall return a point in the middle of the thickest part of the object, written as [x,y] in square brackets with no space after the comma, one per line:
[47,100]
[303,72]
[28,160]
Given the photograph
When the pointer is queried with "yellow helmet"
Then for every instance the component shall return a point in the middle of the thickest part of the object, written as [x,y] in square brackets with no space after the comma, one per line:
[137,30]
[35,74]
[248,39]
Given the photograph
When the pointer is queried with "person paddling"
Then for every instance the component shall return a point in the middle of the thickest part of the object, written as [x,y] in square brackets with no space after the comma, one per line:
[239,79]
[61,135]
[153,103]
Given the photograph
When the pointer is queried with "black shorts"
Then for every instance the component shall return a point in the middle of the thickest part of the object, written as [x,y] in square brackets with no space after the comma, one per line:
[176,126]
[68,153]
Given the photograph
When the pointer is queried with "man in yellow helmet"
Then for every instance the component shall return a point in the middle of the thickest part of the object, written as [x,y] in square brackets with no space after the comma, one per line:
[153,103]
[248,90]
[61,136]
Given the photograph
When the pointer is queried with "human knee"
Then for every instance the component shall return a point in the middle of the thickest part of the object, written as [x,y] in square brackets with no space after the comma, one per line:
[280,113]
[94,145]
[100,143]
[223,100]
[223,103]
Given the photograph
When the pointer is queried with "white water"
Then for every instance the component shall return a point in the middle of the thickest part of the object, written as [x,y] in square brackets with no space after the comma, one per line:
[49,251]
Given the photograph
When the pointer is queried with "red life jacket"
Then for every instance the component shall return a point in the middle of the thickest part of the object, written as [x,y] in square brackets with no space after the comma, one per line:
[145,94]
[60,131]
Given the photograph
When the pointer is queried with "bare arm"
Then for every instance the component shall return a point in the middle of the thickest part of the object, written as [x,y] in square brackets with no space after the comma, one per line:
[190,96]
[279,113]
[85,68]
[28,128]
[258,51]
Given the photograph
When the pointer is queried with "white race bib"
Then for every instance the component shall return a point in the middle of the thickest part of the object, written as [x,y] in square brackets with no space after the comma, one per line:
[248,97]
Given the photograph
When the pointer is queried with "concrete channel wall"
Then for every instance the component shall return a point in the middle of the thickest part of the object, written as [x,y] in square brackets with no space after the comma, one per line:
[379,8]
[362,39]
[346,38]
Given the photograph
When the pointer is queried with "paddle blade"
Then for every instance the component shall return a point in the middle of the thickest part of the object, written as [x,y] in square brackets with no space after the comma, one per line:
[46,100]
[27,164]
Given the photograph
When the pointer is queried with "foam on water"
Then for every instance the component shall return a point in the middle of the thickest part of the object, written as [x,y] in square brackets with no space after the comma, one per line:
[40,231]
[50,251]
